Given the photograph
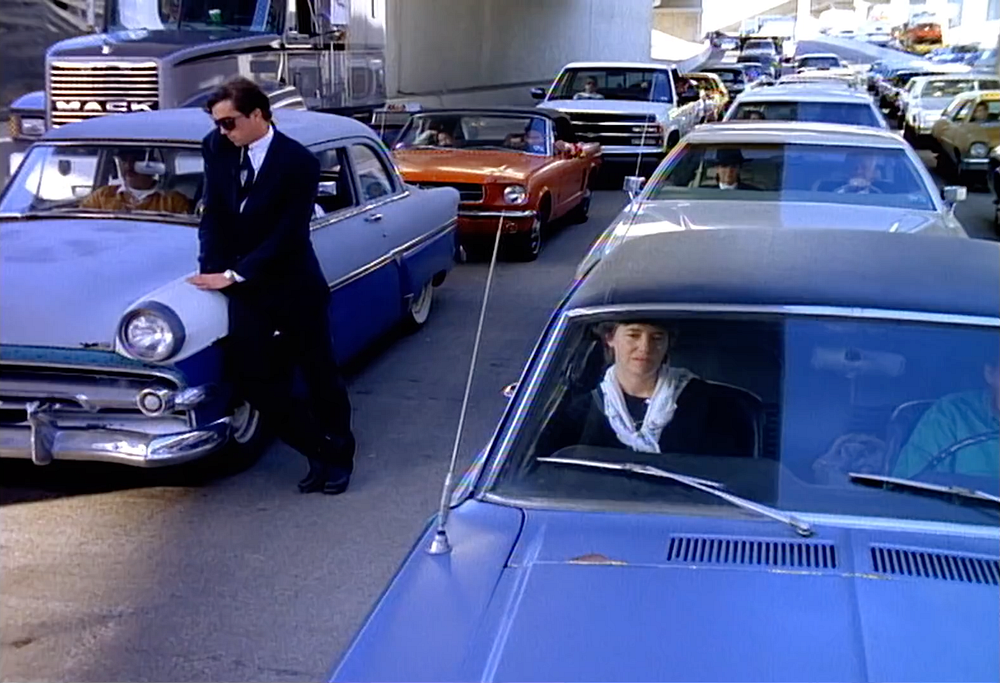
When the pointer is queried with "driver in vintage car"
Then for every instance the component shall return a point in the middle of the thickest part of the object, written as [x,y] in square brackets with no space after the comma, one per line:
[138,191]
[645,404]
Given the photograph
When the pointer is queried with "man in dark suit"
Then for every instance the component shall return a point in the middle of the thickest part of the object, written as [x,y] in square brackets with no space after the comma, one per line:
[255,248]
[728,166]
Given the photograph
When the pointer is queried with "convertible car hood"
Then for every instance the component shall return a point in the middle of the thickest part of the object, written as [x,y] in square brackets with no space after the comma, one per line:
[605,106]
[66,283]
[668,216]
[466,165]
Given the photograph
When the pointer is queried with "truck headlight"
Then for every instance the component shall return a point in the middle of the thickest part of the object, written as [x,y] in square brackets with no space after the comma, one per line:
[515,194]
[978,150]
[152,332]
[33,127]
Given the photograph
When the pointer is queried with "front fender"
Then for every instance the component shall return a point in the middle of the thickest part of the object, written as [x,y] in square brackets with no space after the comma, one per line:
[32,103]
[205,315]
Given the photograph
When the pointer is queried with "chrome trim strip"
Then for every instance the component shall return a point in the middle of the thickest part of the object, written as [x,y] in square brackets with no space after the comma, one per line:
[393,255]
[138,372]
[497,214]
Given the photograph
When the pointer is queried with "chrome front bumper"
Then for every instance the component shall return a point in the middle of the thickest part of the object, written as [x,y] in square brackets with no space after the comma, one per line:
[44,441]
[974,165]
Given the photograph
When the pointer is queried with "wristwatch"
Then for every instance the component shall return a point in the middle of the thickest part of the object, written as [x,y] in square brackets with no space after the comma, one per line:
[231,275]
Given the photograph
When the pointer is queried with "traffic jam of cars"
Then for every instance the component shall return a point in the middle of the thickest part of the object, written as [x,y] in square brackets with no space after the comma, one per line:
[770,392]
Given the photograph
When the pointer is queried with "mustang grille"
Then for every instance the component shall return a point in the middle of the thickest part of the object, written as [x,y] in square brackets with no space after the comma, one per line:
[942,566]
[79,91]
[618,130]
[467,192]
[751,552]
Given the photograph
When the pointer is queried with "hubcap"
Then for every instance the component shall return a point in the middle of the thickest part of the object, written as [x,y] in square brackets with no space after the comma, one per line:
[535,240]
[244,423]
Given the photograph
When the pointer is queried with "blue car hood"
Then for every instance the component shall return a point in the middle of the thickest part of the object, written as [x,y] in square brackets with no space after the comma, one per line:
[595,597]
[66,283]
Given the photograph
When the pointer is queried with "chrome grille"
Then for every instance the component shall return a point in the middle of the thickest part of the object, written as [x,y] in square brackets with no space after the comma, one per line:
[82,90]
[467,192]
[617,130]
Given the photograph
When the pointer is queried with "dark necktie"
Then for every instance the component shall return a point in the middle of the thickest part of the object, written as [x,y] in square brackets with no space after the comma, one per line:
[246,176]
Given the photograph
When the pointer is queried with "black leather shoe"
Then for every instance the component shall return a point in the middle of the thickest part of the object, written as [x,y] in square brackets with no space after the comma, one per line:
[336,481]
[316,478]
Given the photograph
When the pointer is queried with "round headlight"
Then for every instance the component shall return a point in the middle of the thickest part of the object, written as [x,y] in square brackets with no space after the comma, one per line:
[979,149]
[151,333]
[515,194]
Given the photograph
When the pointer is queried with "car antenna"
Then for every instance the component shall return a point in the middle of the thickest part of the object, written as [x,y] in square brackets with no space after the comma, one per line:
[440,544]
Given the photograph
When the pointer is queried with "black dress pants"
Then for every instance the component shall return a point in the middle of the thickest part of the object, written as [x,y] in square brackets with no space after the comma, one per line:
[320,426]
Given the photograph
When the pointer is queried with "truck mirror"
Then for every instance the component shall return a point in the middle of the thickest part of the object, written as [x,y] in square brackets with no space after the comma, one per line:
[538,93]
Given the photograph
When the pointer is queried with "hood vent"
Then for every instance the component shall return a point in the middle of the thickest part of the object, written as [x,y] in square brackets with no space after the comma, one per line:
[942,566]
[751,552]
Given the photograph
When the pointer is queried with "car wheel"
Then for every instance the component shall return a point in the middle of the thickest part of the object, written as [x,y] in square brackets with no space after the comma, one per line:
[248,439]
[419,309]
[527,246]
[582,210]
[909,134]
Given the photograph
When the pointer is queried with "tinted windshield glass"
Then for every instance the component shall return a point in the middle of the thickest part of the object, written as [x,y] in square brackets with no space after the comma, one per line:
[157,15]
[801,173]
[819,63]
[823,112]
[765,45]
[946,88]
[777,410]
[520,133]
[729,76]
[133,181]
[613,84]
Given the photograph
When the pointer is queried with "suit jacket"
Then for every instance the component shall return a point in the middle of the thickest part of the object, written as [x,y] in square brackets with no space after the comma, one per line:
[267,243]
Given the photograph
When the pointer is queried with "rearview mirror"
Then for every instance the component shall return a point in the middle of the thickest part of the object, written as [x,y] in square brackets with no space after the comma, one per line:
[952,194]
[149,167]
[538,93]
[633,185]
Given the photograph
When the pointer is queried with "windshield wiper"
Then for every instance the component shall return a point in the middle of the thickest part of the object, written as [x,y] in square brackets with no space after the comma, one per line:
[912,485]
[711,487]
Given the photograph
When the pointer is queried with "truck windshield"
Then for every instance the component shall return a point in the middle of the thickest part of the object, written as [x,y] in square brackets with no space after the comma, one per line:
[167,15]
[643,85]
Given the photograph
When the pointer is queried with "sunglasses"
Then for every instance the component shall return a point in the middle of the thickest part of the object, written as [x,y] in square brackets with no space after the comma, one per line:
[227,123]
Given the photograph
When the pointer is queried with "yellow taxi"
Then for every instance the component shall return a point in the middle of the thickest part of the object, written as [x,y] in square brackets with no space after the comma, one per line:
[968,128]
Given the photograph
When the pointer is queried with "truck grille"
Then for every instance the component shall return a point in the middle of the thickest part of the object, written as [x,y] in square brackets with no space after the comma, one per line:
[82,90]
[467,192]
[617,130]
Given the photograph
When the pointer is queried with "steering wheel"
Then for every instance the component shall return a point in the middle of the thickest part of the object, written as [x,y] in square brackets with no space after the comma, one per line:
[851,188]
[952,450]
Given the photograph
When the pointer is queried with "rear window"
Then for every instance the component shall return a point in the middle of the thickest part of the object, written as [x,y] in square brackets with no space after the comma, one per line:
[729,76]
[819,63]
[814,112]
[946,87]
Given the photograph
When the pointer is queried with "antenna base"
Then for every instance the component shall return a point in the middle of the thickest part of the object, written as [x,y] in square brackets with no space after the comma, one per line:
[440,544]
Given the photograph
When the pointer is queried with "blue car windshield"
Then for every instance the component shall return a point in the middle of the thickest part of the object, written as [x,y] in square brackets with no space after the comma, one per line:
[780,410]
[860,176]
[860,114]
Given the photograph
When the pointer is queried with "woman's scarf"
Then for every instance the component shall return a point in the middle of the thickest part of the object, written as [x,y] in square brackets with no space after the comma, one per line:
[659,412]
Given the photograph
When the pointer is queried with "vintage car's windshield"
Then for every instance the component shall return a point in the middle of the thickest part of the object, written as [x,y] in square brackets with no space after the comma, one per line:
[132,181]
[790,172]
[777,409]
[158,15]
[818,62]
[642,85]
[856,114]
[470,130]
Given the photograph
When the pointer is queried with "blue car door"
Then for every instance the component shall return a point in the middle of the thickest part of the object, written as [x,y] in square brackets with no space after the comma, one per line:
[355,255]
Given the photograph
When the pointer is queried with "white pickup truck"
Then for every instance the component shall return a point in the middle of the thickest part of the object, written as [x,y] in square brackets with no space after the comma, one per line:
[631,109]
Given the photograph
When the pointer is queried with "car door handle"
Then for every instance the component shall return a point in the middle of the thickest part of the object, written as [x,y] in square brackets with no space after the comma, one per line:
[373,217]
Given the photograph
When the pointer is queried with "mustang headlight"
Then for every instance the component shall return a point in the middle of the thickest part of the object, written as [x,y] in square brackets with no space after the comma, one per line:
[515,194]
[152,332]
[978,150]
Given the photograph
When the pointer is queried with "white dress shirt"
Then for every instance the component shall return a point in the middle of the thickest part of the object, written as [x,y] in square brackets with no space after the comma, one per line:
[257,151]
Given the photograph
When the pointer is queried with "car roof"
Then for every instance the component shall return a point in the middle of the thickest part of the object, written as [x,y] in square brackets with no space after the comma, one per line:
[618,65]
[805,93]
[817,268]
[825,55]
[499,111]
[190,125]
[794,132]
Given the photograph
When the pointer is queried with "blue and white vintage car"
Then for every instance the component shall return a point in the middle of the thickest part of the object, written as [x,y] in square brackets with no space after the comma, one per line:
[823,504]
[107,353]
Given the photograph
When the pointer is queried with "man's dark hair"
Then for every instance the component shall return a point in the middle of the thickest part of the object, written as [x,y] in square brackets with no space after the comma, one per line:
[245,96]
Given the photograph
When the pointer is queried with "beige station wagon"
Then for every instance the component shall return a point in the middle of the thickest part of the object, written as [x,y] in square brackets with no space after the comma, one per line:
[968,128]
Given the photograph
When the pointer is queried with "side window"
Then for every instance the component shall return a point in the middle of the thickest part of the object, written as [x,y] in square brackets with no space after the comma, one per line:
[962,112]
[374,178]
[334,184]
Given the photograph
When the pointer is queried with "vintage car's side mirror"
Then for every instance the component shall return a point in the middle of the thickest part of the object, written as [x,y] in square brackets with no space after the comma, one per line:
[509,390]
[633,185]
[952,194]
[538,93]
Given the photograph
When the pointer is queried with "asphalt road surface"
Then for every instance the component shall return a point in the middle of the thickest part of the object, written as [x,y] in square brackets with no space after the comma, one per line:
[108,574]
